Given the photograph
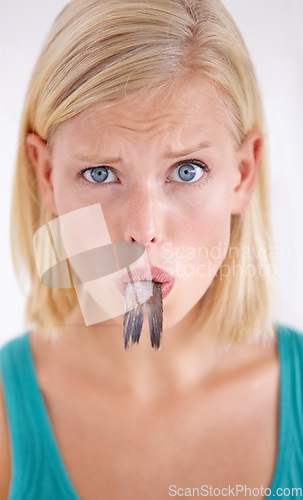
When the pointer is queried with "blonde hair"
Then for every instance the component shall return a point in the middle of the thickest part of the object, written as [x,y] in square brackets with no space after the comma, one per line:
[102,50]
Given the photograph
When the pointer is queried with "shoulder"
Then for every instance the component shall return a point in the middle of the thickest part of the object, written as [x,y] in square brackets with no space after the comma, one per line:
[9,354]
[5,454]
[290,342]
[289,331]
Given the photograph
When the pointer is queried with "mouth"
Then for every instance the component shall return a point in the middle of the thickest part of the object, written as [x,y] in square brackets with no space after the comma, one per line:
[155,274]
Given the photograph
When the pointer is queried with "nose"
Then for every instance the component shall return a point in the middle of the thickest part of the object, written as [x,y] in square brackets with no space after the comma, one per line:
[142,216]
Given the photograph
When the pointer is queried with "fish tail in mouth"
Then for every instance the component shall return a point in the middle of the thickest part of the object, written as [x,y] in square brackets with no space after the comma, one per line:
[155,315]
[138,296]
[132,324]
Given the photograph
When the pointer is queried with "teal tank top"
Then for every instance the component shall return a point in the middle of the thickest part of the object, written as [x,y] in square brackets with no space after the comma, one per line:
[38,472]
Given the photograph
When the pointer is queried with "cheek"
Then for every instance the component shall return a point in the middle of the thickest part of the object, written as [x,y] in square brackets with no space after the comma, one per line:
[201,237]
[62,195]
[205,217]
[66,196]
[214,226]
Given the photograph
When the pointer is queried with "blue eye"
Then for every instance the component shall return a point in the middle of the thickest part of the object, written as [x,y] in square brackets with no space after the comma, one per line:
[188,172]
[99,175]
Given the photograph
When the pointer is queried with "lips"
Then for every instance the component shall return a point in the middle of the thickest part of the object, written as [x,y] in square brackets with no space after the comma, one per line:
[153,273]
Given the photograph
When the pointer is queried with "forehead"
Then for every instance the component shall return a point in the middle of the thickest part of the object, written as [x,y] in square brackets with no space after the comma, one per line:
[190,108]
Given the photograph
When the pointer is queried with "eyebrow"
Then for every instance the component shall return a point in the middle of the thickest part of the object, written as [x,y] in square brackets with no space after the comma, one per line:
[93,160]
[170,154]
[189,151]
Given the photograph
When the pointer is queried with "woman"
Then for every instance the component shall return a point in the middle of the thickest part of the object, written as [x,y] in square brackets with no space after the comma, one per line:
[143,125]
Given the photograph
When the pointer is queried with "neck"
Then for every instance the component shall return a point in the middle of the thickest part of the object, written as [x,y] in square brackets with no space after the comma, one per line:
[184,361]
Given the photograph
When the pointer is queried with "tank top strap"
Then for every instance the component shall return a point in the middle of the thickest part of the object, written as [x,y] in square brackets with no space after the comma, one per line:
[37,467]
[289,466]
[291,355]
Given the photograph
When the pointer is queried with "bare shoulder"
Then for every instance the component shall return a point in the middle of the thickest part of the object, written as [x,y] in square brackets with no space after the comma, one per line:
[5,453]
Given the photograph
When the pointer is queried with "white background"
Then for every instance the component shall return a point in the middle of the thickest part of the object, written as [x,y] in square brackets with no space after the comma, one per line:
[272,30]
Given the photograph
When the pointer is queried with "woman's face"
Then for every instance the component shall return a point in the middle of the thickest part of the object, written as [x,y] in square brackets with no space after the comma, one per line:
[167,174]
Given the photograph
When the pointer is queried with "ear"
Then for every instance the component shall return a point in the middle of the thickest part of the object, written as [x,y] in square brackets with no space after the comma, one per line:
[248,163]
[39,155]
